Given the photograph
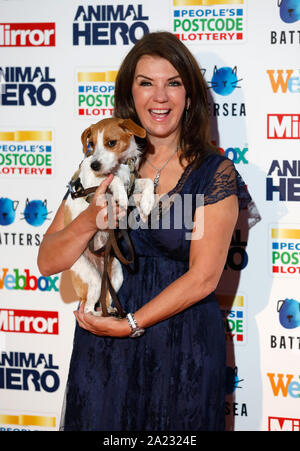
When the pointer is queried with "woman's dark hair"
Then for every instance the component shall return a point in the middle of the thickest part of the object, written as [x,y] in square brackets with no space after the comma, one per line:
[195,132]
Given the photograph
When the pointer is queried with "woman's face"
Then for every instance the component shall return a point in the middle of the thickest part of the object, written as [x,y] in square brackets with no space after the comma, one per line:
[159,97]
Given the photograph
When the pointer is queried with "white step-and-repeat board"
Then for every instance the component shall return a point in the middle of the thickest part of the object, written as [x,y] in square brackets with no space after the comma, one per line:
[57,71]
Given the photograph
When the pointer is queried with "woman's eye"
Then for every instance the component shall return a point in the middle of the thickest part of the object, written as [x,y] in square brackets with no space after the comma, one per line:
[175,83]
[145,83]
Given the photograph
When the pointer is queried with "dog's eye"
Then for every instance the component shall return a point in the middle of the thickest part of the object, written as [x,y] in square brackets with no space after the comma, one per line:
[111,143]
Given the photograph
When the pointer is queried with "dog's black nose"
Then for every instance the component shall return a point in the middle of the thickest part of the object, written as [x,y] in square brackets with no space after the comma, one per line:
[95,165]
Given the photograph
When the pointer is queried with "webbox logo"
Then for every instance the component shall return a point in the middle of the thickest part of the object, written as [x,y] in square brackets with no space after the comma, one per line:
[26,281]
[284,385]
[27,34]
[29,321]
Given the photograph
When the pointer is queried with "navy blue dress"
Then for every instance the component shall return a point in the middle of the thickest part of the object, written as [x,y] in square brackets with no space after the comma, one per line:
[172,378]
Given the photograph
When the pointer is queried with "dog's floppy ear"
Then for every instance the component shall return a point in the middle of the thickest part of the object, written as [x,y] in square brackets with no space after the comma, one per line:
[84,138]
[132,127]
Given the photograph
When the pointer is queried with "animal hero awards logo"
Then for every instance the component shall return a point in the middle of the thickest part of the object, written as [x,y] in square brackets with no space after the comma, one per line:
[95,93]
[209,21]
[26,153]
[107,24]
[283,181]
[28,372]
[26,86]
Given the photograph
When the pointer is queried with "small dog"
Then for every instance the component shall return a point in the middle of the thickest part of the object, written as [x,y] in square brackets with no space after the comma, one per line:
[112,143]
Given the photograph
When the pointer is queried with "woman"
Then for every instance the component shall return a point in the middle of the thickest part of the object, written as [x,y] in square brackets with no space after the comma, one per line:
[172,376]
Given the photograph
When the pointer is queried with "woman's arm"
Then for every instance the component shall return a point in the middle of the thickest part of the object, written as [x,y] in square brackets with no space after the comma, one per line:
[207,260]
[62,246]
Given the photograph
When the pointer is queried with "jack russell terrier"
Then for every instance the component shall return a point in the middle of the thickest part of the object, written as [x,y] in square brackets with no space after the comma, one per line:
[112,143]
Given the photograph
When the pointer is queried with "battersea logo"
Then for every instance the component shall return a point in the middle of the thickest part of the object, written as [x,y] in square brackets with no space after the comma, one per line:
[284,81]
[109,24]
[28,372]
[289,10]
[283,424]
[26,86]
[289,313]
[208,21]
[29,321]
[233,408]
[289,13]
[26,153]
[27,34]
[234,317]
[95,93]
[283,181]
[283,126]
[285,252]
[35,211]
[224,82]
[26,281]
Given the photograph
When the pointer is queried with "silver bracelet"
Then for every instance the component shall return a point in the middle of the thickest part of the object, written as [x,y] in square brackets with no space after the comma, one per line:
[136,331]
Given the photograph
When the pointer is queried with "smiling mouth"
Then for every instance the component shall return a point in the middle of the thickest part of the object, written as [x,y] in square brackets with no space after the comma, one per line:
[159,113]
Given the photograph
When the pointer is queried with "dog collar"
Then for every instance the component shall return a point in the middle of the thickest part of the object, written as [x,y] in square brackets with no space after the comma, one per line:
[77,190]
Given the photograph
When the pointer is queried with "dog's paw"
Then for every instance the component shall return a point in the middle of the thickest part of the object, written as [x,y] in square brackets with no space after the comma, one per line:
[89,309]
[122,200]
[96,313]
[147,202]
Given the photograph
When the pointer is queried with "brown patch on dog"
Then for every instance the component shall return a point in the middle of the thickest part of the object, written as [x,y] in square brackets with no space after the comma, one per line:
[80,287]
[109,270]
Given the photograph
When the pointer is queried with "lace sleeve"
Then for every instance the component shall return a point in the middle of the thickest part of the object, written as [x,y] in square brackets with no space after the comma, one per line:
[225,182]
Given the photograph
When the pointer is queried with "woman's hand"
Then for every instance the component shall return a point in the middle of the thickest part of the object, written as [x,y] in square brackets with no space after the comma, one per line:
[102,326]
[98,215]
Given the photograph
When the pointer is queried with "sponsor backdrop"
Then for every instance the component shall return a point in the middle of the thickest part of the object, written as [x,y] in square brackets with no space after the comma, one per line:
[58,66]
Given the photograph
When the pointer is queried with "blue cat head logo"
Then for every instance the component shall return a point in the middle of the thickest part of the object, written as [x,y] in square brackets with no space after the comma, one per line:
[7,210]
[36,212]
[289,10]
[224,80]
[232,380]
[289,313]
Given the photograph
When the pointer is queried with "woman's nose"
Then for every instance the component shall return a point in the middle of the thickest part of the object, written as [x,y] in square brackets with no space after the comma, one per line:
[160,94]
